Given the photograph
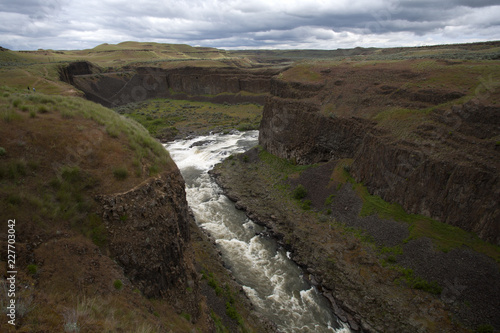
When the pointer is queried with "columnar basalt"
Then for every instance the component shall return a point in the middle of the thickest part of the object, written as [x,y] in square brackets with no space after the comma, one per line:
[232,85]
[444,169]
[149,237]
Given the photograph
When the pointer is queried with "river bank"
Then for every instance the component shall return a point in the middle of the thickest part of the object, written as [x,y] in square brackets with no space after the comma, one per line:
[377,278]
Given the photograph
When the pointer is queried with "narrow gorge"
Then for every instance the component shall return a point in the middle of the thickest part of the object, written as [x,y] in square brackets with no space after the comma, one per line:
[394,157]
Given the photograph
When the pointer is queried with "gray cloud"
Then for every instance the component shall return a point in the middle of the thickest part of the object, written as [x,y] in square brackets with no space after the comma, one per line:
[32,24]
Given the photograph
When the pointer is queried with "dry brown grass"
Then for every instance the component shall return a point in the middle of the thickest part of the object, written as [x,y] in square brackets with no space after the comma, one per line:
[55,159]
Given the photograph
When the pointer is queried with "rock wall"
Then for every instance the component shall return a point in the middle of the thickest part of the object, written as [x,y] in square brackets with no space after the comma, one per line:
[453,191]
[148,231]
[67,73]
[219,85]
[296,130]
[447,173]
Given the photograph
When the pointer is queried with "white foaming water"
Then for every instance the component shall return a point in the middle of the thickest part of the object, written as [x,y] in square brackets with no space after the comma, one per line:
[271,280]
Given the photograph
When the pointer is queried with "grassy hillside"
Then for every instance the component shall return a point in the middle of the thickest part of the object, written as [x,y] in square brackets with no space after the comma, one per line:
[166,119]
[56,154]
[38,69]
[401,96]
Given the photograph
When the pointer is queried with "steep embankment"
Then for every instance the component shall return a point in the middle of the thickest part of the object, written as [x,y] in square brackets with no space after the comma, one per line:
[428,149]
[227,84]
[423,134]
[340,126]
[103,229]
[364,288]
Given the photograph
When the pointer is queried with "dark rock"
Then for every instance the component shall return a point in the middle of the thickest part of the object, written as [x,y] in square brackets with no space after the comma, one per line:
[152,244]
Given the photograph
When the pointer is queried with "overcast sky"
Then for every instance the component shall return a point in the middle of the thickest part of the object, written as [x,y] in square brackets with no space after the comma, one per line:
[244,24]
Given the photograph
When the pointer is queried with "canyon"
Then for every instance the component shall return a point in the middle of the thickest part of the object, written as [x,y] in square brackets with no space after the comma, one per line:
[418,136]
[442,164]
[431,150]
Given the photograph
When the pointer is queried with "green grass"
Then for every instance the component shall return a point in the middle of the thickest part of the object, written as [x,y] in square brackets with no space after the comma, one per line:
[120,173]
[32,269]
[165,117]
[299,192]
[63,196]
[444,236]
[303,73]
[419,283]
[219,326]
[229,298]
[212,282]
[282,166]
[146,149]
[118,284]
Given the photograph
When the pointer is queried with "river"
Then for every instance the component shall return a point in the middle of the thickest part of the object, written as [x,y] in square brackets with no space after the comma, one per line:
[272,281]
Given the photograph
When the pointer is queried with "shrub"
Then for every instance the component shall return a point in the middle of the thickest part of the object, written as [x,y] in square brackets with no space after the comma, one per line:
[391,259]
[120,173]
[299,192]
[329,200]
[306,204]
[2,151]
[118,284]
[96,230]
[32,269]
[16,103]
[43,109]
[71,174]
[231,311]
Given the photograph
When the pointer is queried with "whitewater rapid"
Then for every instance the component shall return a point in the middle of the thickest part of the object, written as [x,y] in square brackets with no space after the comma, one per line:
[273,282]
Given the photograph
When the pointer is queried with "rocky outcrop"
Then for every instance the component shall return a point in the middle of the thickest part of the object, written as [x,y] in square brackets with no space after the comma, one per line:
[453,190]
[296,130]
[444,169]
[232,85]
[67,73]
[148,235]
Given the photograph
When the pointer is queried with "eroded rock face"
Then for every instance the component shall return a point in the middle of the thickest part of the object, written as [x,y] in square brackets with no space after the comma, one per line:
[451,190]
[148,235]
[446,171]
[296,130]
[232,85]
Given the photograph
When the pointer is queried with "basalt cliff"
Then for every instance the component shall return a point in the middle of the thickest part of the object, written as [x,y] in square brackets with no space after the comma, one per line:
[135,84]
[431,150]
[357,164]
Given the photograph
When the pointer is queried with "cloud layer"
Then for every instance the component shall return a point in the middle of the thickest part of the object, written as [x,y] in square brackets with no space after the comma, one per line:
[240,24]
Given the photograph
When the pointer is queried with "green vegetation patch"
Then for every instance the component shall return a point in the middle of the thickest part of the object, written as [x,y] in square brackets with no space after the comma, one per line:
[444,236]
[120,173]
[419,283]
[164,118]
[299,192]
[281,165]
[219,326]
[303,73]
[118,284]
[147,150]
[230,302]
